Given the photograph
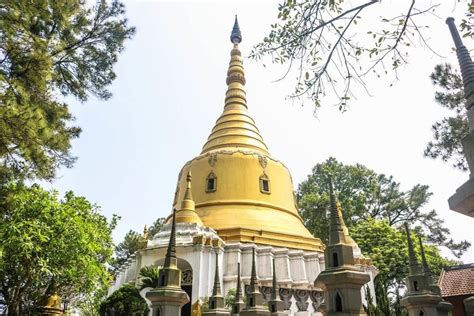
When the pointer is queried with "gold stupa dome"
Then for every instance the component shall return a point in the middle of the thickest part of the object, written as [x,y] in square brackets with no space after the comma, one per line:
[239,189]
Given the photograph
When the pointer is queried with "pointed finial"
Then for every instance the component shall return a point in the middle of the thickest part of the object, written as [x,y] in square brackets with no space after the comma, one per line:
[236,36]
[336,232]
[465,63]
[188,193]
[424,263]
[253,276]
[413,262]
[170,259]
[216,291]
[238,292]
[145,232]
[187,212]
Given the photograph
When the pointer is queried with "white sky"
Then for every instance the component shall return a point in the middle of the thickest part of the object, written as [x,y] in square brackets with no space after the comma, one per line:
[170,89]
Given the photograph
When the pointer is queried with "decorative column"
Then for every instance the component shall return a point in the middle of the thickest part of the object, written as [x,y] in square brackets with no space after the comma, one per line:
[239,302]
[254,305]
[342,280]
[463,200]
[422,297]
[168,297]
[216,301]
[275,305]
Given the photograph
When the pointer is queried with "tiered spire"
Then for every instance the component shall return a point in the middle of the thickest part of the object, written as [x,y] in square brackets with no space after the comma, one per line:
[238,294]
[216,291]
[168,297]
[216,301]
[187,213]
[465,63]
[424,263]
[414,266]
[422,294]
[336,231]
[253,276]
[239,302]
[275,305]
[235,128]
[254,305]
[342,273]
[170,259]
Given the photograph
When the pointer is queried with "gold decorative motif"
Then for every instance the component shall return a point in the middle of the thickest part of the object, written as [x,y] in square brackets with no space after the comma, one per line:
[187,277]
[197,309]
[212,159]
[263,161]
[199,240]
[216,243]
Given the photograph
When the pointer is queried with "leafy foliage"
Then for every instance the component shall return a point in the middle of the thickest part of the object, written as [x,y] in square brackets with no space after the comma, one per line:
[449,132]
[130,244]
[48,49]
[229,298]
[387,247]
[150,276]
[467,24]
[134,241]
[332,45]
[205,303]
[155,227]
[364,195]
[126,301]
[370,308]
[45,237]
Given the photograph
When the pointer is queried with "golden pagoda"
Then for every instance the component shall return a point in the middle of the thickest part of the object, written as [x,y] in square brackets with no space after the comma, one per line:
[239,189]
[235,226]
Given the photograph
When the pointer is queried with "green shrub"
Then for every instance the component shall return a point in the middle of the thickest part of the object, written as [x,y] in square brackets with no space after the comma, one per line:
[126,301]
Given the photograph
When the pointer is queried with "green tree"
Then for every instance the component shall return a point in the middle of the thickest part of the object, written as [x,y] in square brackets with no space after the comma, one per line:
[370,308]
[330,46]
[126,301]
[229,298]
[448,133]
[45,237]
[156,227]
[387,248]
[132,241]
[364,194]
[150,276]
[50,49]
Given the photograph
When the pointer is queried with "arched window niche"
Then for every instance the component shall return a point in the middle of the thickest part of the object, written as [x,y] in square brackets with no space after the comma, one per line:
[211,182]
[338,302]
[335,259]
[265,184]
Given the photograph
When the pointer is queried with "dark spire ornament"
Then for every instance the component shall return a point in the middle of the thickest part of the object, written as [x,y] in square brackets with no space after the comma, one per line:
[170,259]
[465,63]
[236,36]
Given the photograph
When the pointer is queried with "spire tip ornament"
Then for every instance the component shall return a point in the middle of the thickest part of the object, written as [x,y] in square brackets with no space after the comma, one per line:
[236,36]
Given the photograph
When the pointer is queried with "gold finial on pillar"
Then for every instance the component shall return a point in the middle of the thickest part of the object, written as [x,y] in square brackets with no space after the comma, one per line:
[187,212]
